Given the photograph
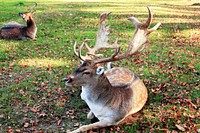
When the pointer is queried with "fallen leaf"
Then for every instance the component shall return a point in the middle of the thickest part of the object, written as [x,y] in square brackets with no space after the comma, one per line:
[76,124]
[26,124]
[34,110]
[173,131]
[58,123]
[18,130]
[41,131]
[1,116]
[191,66]
[42,114]
[181,128]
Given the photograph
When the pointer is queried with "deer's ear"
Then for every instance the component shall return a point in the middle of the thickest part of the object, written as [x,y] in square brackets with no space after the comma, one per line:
[99,70]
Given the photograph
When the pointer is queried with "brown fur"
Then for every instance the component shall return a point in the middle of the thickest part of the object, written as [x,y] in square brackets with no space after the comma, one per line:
[118,93]
[16,31]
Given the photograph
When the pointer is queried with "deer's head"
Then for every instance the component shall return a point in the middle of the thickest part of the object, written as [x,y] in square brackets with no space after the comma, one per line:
[26,15]
[89,72]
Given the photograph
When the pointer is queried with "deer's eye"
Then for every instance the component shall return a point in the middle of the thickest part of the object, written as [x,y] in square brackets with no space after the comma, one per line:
[86,72]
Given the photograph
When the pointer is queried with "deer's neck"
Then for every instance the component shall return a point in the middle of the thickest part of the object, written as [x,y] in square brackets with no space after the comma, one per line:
[31,29]
[31,23]
[103,83]
[93,90]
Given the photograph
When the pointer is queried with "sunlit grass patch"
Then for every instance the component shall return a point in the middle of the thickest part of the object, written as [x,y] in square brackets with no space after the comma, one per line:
[47,62]
[8,45]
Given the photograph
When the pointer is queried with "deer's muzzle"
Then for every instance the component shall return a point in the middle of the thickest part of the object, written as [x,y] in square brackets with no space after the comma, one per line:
[68,79]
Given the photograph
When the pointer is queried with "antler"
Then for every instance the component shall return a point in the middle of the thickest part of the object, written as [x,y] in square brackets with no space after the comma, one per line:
[83,58]
[102,39]
[33,7]
[140,37]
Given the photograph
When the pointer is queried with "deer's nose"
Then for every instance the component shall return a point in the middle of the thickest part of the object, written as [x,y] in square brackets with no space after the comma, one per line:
[69,79]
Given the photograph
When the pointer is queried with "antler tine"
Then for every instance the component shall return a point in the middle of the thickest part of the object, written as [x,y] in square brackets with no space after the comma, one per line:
[109,59]
[149,20]
[33,6]
[75,49]
[154,28]
[103,16]
[78,54]
[88,48]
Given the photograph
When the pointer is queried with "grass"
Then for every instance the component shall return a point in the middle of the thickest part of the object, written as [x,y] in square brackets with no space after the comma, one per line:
[34,99]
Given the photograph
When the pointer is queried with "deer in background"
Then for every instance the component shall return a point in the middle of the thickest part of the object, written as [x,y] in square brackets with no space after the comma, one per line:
[114,94]
[16,31]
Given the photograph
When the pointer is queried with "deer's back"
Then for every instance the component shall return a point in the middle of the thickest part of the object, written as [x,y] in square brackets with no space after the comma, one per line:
[121,77]
[11,30]
[118,76]
[12,24]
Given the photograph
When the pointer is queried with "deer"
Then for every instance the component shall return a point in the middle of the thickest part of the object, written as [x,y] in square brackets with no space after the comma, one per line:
[15,31]
[116,93]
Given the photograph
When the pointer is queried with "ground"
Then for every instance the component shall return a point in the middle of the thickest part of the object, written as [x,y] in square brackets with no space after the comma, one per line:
[33,97]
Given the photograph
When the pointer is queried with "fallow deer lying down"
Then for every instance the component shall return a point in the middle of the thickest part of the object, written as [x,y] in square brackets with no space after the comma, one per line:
[16,31]
[114,94]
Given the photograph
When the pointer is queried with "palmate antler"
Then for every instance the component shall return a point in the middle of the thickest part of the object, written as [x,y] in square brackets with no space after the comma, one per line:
[102,39]
[140,38]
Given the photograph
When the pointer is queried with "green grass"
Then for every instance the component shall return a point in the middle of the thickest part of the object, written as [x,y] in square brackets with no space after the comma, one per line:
[31,90]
